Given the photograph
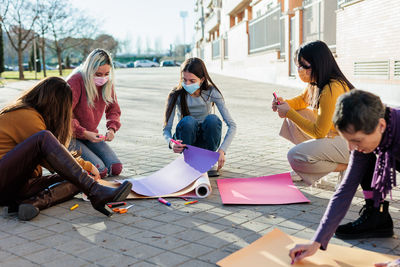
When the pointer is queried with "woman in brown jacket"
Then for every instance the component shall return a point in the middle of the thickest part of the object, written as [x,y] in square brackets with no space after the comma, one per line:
[34,131]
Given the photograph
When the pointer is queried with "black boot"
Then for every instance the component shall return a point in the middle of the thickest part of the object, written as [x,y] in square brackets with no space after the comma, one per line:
[373,222]
[60,159]
[57,193]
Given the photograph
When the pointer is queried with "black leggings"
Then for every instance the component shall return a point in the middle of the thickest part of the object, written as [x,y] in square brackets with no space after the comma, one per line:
[18,165]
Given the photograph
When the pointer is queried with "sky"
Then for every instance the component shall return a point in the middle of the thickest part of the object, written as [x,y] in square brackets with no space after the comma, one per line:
[147,20]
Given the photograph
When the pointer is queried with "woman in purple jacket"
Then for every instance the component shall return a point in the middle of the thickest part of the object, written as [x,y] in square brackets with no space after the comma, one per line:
[372,132]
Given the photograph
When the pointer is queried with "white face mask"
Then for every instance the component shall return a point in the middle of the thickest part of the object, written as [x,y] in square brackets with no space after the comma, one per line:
[100,81]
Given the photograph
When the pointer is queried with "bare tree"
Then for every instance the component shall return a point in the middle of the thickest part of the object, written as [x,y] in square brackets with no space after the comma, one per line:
[3,11]
[87,32]
[68,28]
[139,45]
[60,27]
[148,45]
[42,27]
[18,24]
[125,45]
[158,44]
[107,42]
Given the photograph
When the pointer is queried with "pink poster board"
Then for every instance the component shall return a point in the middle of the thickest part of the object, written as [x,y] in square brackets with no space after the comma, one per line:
[273,189]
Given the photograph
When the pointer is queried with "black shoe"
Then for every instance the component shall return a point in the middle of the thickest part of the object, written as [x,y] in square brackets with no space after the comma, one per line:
[12,208]
[101,195]
[27,212]
[373,222]
[213,173]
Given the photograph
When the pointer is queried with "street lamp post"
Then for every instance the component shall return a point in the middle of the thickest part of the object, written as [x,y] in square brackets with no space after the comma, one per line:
[183,15]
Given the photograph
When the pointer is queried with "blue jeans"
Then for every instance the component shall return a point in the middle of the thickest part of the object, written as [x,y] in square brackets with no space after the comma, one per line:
[206,135]
[99,154]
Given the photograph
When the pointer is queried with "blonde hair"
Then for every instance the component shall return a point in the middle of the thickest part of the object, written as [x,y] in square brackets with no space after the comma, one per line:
[95,59]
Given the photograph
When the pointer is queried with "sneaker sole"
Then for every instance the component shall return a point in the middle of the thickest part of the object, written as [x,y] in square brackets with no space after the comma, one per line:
[213,173]
[380,234]
[27,212]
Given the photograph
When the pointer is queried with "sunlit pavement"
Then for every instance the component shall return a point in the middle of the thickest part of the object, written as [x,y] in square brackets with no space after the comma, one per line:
[152,234]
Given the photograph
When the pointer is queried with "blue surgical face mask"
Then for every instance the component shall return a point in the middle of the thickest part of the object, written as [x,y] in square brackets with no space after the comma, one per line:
[191,88]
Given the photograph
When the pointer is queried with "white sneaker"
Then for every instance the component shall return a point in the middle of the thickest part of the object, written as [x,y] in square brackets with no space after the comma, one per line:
[295,177]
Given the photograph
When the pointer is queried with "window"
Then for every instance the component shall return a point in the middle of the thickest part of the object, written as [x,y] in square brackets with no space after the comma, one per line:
[264,32]
[319,21]
[216,51]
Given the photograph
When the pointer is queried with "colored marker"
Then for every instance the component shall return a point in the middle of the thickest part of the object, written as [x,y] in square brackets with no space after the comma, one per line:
[161,200]
[298,253]
[184,198]
[74,207]
[116,204]
[276,98]
[178,143]
[101,136]
[191,202]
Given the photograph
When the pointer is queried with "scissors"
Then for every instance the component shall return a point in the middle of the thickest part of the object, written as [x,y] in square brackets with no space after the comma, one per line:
[122,210]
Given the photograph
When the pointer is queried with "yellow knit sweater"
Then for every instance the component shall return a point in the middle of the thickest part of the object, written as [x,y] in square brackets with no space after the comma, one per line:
[18,125]
[324,114]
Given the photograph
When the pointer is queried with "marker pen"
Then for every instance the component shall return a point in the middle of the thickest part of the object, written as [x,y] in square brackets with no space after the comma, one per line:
[178,143]
[191,202]
[298,253]
[175,142]
[163,201]
[276,98]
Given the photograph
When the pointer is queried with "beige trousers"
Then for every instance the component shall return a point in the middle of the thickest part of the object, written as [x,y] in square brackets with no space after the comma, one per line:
[312,158]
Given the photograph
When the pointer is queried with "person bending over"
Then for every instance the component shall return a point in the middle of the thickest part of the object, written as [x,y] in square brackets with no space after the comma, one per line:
[372,132]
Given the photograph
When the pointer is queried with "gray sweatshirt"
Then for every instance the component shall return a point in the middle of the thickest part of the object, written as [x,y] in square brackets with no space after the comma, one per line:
[199,108]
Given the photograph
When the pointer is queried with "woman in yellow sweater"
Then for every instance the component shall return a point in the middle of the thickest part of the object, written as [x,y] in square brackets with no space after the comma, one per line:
[308,122]
[34,131]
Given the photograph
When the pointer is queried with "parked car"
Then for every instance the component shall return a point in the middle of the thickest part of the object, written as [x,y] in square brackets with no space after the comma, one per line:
[119,65]
[49,67]
[130,64]
[168,63]
[62,66]
[8,68]
[145,63]
[25,66]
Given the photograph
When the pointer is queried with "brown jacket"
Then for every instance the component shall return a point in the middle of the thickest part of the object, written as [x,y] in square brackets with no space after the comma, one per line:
[18,125]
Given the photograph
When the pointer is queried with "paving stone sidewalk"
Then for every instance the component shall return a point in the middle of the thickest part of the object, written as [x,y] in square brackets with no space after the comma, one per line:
[152,234]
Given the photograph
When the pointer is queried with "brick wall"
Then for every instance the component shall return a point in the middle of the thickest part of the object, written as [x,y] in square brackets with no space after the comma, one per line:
[369,30]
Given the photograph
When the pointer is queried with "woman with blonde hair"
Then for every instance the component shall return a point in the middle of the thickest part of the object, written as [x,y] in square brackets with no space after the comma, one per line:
[93,95]
[34,132]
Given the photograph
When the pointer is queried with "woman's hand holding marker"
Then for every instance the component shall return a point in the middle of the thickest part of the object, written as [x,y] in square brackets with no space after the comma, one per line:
[177,146]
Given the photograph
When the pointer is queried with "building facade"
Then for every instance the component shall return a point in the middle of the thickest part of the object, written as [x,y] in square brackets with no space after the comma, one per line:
[256,39]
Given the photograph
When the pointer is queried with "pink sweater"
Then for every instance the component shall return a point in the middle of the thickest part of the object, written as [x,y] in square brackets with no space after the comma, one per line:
[86,118]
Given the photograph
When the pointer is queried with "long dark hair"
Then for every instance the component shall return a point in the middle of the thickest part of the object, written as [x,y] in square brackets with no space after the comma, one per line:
[197,67]
[323,67]
[52,98]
